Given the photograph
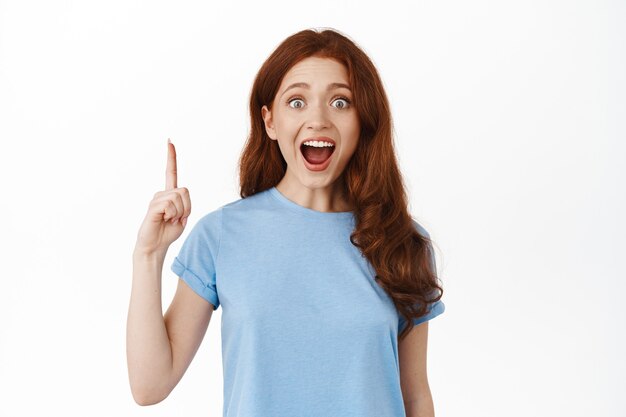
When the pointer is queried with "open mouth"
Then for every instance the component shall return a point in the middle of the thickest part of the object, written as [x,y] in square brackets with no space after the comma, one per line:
[316,154]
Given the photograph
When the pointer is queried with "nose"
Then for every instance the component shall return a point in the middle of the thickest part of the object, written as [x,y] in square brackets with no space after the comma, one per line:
[318,117]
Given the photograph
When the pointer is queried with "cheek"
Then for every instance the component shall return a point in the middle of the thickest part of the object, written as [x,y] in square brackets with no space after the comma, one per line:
[287,127]
[352,135]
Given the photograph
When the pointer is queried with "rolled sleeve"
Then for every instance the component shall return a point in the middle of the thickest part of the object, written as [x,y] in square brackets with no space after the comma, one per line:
[196,261]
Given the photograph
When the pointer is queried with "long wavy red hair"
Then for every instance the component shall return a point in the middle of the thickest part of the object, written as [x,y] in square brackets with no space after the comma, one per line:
[384,231]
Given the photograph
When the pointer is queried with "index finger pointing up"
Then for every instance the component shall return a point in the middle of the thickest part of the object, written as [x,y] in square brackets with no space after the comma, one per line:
[170,171]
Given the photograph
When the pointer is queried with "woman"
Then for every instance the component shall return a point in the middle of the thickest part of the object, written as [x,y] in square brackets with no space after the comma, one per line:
[325,280]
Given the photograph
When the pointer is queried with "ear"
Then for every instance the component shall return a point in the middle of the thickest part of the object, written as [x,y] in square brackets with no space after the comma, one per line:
[269,124]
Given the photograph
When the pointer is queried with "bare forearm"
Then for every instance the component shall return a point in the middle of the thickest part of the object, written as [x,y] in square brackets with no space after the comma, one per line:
[422,407]
[148,348]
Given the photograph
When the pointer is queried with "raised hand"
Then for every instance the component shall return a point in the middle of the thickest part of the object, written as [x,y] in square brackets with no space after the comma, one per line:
[167,212]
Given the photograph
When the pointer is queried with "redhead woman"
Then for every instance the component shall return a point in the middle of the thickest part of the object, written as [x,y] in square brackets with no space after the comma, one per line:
[326,282]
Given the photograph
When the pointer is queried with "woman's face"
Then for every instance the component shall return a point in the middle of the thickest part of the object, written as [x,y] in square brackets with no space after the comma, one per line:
[313,101]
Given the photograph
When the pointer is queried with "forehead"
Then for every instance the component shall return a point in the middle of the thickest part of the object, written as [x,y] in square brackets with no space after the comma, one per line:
[315,68]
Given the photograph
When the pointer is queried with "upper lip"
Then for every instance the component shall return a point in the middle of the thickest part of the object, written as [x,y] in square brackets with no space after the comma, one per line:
[320,138]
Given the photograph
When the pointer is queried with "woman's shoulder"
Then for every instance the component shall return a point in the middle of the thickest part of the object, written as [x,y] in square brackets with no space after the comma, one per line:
[235,209]
[420,229]
[250,202]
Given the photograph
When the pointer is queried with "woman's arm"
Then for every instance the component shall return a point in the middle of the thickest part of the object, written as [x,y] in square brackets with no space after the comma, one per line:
[148,349]
[418,401]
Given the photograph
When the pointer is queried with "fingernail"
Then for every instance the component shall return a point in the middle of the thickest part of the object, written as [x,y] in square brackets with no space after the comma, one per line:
[174,220]
[184,222]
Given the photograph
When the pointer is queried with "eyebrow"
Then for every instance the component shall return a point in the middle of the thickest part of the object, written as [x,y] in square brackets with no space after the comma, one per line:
[331,86]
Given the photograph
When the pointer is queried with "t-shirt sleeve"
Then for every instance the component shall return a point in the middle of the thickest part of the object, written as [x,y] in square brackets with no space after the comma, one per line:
[437,307]
[196,261]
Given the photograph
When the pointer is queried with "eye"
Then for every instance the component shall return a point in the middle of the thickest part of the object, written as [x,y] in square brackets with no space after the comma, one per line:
[340,99]
[293,100]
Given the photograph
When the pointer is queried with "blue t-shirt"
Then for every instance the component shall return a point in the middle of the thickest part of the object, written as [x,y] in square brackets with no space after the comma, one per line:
[306,330]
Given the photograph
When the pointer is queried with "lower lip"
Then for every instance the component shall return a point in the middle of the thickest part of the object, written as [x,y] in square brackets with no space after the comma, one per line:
[317,167]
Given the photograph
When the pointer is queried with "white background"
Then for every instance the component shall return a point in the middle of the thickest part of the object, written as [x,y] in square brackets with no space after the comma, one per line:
[509,125]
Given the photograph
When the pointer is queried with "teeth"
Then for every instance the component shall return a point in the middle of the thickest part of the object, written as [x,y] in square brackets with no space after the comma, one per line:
[317,143]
